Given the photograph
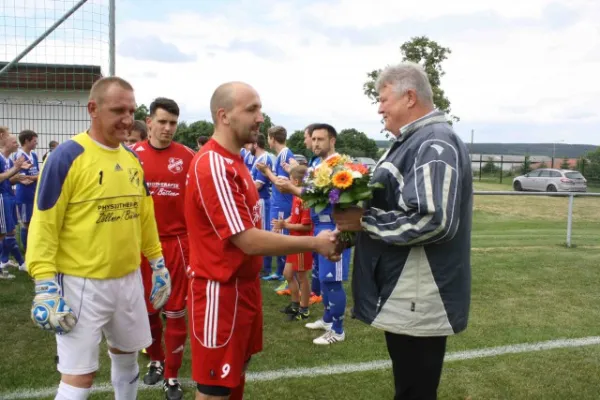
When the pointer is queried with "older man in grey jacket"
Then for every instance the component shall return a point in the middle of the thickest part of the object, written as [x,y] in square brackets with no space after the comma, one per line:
[412,269]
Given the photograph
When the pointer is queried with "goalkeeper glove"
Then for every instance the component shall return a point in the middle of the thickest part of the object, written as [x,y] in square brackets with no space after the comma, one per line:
[161,283]
[49,310]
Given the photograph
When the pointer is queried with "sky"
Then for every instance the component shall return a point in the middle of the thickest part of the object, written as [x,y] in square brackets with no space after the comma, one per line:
[519,71]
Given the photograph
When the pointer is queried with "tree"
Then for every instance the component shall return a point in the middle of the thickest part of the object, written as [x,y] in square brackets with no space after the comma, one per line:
[565,164]
[264,127]
[189,134]
[296,144]
[526,166]
[430,55]
[582,165]
[141,113]
[356,144]
[542,165]
[489,167]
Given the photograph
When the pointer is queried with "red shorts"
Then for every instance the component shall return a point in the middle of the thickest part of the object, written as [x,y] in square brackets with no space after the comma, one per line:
[300,262]
[175,251]
[226,329]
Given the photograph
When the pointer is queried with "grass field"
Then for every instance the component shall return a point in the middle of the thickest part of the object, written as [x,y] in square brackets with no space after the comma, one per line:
[527,288]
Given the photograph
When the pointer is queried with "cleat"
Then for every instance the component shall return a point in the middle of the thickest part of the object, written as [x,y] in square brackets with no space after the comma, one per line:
[330,337]
[289,310]
[282,286]
[314,299]
[284,292]
[173,390]
[155,373]
[271,277]
[5,275]
[9,263]
[298,316]
[23,267]
[319,324]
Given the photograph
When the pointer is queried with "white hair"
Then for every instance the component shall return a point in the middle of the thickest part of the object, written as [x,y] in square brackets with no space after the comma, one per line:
[405,76]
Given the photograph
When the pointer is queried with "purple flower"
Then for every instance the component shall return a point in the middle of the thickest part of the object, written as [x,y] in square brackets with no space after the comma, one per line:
[334,196]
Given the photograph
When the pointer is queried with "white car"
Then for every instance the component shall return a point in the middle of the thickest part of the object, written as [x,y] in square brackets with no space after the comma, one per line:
[551,180]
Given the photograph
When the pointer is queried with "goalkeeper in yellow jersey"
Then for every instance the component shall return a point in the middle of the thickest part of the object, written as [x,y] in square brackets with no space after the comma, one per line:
[93,217]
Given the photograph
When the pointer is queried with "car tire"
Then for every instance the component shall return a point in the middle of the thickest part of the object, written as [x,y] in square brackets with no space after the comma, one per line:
[517,186]
[551,188]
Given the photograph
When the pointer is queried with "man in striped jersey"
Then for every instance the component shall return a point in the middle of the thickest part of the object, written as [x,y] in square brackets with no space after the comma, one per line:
[223,217]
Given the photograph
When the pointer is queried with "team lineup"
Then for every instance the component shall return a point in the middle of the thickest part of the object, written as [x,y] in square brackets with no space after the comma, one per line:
[137,239]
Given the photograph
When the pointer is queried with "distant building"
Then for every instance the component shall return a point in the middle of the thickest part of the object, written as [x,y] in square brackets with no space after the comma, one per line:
[50,99]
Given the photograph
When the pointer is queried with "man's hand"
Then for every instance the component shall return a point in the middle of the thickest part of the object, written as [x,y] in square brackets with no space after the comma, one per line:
[262,167]
[22,163]
[284,185]
[327,245]
[278,224]
[24,179]
[348,220]
[161,283]
[49,310]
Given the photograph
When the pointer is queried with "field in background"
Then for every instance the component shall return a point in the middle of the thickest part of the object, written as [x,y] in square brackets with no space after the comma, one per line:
[527,288]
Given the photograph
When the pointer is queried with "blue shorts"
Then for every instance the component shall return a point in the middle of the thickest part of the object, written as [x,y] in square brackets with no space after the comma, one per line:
[25,211]
[330,271]
[282,211]
[8,214]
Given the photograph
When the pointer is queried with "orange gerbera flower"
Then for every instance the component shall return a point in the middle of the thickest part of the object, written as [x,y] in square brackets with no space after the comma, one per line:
[333,161]
[361,168]
[342,179]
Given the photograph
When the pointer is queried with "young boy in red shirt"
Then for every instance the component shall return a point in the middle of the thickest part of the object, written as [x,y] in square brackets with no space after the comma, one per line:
[298,267]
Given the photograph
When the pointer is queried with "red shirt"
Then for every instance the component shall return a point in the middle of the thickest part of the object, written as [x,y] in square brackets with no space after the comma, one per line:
[300,215]
[165,171]
[221,201]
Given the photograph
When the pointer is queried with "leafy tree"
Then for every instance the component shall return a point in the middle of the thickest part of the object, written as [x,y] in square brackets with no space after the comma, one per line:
[526,166]
[542,165]
[565,164]
[189,134]
[296,143]
[141,112]
[582,163]
[264,127]
[430,55]
[489,167]
[356,144]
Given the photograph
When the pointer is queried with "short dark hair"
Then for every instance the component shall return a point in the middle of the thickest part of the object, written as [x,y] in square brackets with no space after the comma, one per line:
[330,129]
[140,126]
[202,140]
[261,141]
[53,143]
[310,128]
[278,133]
[26,135]
[168,105]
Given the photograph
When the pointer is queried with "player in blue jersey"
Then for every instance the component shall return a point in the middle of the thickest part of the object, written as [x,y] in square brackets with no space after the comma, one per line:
[331,274]
[9,175]
[281,203]
[250,155]
[26,191]
[263,185]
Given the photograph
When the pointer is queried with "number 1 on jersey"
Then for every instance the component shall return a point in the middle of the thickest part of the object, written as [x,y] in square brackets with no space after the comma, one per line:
[101,175]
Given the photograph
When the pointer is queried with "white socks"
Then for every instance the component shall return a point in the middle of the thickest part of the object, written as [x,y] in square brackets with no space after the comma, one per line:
[68,392]
[124,374]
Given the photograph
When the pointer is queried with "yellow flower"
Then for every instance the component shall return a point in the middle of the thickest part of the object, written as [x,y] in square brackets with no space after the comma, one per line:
[342,179]
[322,176]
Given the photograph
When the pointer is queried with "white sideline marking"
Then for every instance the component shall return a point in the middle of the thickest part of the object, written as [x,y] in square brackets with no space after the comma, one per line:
[339,368]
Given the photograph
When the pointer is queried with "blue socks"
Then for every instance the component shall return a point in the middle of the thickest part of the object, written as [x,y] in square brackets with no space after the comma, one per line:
[10,246]
[280,265]
[315,286]
[334,299]
[24,238]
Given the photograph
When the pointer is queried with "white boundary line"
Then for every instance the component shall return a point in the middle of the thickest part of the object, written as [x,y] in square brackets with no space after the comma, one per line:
[340,368]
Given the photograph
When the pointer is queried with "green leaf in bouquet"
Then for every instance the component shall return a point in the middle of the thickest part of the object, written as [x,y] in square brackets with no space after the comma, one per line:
[346,198]
[366,194]
[319,207]
[377,185]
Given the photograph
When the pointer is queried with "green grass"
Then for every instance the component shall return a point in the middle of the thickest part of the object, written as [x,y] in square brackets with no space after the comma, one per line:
[527,287]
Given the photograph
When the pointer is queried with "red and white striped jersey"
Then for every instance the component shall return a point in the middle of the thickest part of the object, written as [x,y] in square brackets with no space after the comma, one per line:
[165,171]
[221,201]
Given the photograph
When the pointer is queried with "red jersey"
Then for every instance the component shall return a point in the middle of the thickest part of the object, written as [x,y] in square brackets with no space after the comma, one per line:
[300,215]
[165,171]
[221,201]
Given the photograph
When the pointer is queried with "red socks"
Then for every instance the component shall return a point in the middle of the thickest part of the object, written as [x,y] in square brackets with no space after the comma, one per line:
[155,351]
[237,393]
[175,337]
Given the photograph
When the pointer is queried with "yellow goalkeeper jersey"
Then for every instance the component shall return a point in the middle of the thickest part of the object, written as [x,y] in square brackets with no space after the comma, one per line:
[93,215]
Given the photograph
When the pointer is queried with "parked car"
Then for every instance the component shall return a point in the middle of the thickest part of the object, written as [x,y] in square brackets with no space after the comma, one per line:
[551,180]
[369,162]
[301,159]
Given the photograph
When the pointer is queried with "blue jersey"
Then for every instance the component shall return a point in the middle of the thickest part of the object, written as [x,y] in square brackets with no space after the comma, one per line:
[5,186]
[314,161]
[249,160]
[257,176]
[284,156]
[26,193]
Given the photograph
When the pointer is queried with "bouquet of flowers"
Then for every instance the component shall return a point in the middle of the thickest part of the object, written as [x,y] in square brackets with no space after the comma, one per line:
[338,182]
